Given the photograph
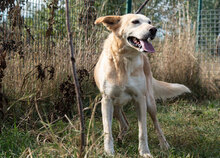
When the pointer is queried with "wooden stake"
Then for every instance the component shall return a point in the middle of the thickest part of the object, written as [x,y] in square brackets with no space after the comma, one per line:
[77,89]
[141,7]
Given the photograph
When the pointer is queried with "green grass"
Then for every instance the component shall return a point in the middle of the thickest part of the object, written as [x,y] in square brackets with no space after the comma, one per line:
[14,141]
[192,130]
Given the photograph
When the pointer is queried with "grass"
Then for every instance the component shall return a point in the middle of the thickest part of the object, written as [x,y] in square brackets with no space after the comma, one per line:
[13,141]
[192,129]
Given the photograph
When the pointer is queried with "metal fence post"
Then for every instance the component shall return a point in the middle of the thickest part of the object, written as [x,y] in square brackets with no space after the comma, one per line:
[128,6]
[198,28]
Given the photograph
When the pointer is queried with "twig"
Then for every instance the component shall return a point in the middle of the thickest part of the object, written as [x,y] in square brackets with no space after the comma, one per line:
[141,7]
[77,89]
[29,32]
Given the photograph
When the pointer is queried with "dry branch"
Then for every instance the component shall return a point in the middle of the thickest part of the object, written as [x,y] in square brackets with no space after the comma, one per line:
[2,68]
[141,7]
[77,88]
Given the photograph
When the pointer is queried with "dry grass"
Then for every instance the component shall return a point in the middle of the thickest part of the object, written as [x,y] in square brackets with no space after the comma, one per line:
[174,61]
[177,59]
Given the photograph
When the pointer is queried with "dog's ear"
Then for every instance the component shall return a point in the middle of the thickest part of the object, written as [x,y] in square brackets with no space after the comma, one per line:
[112,23]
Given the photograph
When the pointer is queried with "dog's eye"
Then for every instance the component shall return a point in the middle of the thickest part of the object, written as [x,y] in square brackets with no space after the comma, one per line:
[135,21]
[149,22]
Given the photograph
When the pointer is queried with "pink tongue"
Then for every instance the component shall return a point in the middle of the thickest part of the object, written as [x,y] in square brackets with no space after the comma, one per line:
[147,46]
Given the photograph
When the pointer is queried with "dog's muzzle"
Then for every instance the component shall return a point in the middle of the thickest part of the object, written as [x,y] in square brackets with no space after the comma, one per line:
[143,44]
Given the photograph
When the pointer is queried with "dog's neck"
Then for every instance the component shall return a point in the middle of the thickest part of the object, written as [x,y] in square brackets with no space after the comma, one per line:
[121,55]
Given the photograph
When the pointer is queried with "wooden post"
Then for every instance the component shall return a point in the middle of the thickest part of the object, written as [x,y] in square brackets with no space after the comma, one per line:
[77,89]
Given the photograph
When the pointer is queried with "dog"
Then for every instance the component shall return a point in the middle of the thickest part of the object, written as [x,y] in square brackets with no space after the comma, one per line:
[123,73]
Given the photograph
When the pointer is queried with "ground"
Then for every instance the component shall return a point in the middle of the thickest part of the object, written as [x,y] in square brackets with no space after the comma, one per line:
[192,129]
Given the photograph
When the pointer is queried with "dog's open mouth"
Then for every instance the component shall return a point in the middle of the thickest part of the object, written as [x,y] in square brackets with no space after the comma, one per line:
[143,45]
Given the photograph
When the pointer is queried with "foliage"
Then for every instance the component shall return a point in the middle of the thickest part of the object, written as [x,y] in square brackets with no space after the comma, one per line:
[162,11]
[8,4]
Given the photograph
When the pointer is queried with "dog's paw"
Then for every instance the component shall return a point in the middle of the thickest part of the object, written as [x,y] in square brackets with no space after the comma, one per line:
[109,148]
[145,152]
[122,134]
[164,145]
[109,152]
[146,155]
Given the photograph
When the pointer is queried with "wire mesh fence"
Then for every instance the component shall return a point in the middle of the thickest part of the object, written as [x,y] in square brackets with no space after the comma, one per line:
[209,44]
[42,23]
[209,32]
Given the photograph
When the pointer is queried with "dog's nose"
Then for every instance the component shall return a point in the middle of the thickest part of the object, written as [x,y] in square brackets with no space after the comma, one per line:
[153,31]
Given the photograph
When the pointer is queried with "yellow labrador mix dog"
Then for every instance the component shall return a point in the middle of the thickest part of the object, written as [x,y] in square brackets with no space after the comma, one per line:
[123,74]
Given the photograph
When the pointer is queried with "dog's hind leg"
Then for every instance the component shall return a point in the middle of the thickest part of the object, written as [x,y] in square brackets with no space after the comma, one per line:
[151,109]
[123,123]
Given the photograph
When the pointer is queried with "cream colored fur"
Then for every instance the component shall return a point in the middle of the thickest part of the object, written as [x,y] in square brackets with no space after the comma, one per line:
[164,90]
[123,74]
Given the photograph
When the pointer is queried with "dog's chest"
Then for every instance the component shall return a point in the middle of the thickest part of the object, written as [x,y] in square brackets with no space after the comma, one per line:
[132,86]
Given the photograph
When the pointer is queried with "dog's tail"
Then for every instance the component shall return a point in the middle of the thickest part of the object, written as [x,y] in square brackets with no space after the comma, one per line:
[165,90]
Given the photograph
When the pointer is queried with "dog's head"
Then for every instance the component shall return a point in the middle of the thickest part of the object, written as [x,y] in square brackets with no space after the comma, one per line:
[134,29]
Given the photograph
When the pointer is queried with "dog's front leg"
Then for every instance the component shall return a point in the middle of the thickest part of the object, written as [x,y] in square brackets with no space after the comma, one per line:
[142,124]
[152,110]
[107,115]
